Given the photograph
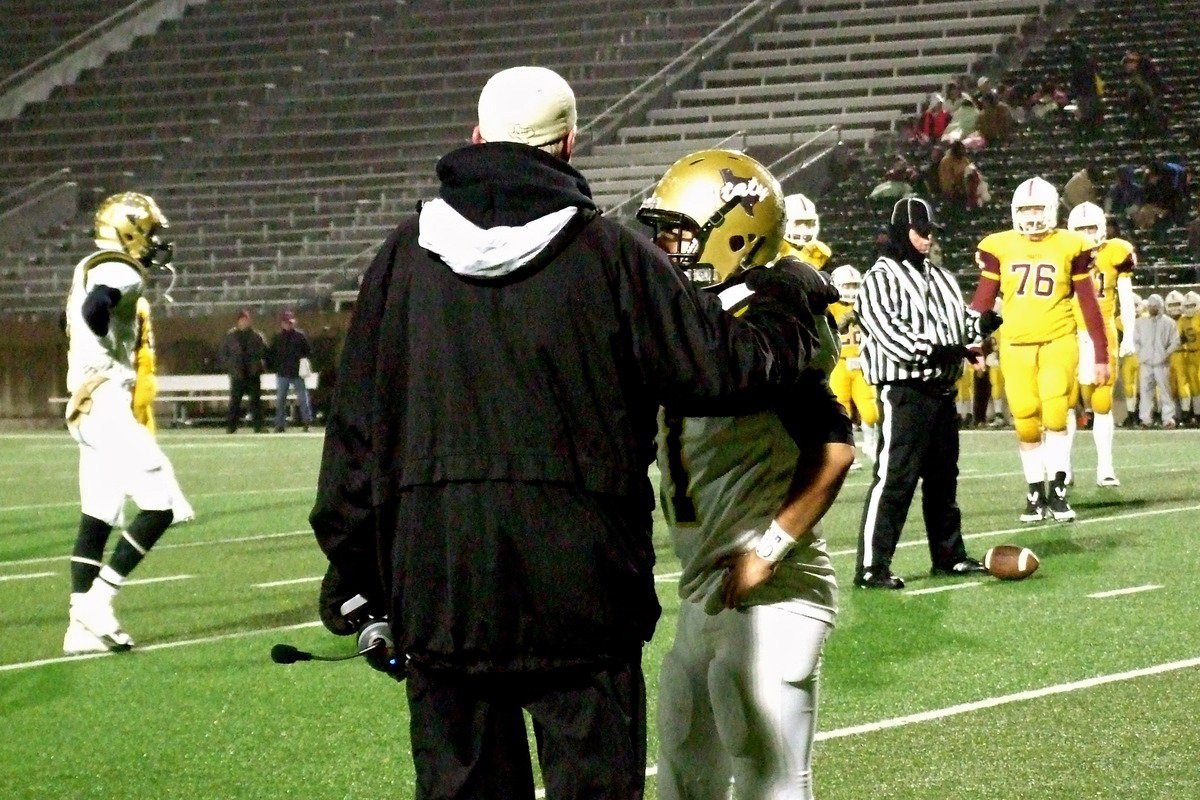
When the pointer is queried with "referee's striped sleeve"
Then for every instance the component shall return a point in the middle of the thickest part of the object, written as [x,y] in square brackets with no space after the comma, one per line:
[883,314]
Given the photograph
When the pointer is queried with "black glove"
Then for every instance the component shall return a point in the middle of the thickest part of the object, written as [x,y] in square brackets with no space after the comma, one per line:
[791,276]
[989,321]
[950,354]
[336,590]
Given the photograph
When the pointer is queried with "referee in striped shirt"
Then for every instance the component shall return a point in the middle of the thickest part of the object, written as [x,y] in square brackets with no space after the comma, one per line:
[915,329]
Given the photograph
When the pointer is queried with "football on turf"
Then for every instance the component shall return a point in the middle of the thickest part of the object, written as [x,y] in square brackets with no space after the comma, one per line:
[1009,562]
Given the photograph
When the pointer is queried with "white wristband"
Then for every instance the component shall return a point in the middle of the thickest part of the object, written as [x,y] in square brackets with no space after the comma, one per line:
[774,544]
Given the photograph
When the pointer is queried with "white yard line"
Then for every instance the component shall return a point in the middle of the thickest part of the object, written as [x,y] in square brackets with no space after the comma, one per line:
[992,702]
[667,577]
[26,576]
[1043,527]
[171,546]
[159,646]
[1150,587]
[290,582]
[244,493]
[949,588]
[163,579]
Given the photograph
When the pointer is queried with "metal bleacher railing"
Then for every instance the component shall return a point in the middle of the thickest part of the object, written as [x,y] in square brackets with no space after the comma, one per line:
[656,88]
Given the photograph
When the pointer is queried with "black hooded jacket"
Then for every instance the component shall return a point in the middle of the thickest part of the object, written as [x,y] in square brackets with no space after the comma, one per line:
[494,416]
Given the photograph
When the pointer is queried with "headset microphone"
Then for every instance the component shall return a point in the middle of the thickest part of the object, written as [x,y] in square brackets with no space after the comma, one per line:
[286,654]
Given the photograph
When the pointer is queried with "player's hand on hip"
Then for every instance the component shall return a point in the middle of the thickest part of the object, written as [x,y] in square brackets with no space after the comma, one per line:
[745,573]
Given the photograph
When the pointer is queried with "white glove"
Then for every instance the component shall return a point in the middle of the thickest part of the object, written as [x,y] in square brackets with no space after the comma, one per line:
[1126,348]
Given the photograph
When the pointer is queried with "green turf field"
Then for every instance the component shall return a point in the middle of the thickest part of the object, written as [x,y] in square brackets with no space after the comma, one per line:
[1004,691]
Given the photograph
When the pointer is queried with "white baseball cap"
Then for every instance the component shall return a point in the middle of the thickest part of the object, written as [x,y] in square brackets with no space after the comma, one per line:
[528,105]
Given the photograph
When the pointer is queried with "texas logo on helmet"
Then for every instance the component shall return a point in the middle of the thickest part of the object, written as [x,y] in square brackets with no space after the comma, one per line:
[749,189]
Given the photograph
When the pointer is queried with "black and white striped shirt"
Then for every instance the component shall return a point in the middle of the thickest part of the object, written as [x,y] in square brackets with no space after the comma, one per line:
[905,310]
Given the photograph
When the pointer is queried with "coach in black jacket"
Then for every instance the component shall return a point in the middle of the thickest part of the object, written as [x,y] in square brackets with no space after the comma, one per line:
[484,473]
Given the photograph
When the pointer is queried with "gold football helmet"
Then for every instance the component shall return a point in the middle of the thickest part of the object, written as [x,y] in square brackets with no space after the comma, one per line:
[722,209]
[135,224]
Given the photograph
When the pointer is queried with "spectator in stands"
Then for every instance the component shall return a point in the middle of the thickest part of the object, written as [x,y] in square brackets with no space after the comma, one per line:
[1193,241]
[1016,101]
[952,177]
[977,189]
[962,122]
[1047,103]
[996,122]
[242,352]
[1125,195]
[1081,188]
[1144,98]
[290,352]
[1165,196]
[954,96]
[933,121]
[892,187]
[1085,86]
[930,182]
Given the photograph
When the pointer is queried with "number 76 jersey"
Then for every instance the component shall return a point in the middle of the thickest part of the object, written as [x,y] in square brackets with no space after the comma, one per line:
[1037,281]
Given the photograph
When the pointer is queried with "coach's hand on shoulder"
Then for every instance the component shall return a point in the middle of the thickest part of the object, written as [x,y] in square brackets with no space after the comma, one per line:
[790,277]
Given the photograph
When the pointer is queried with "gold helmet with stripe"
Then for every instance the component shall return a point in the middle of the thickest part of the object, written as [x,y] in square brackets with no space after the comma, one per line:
[134,224]
[723,210]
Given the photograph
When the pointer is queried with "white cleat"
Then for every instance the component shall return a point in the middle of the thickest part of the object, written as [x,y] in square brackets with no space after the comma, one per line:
[80,640]
[95,615]
[1107,480]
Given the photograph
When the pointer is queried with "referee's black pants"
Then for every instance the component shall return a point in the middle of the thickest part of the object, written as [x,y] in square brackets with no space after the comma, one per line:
[918,440]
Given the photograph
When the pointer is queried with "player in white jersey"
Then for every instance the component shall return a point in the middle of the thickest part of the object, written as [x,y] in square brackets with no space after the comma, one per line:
[742,496]
[118,457]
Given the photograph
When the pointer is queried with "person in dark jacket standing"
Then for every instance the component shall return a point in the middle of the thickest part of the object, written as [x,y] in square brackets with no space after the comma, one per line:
[915,328]
[289,354]
[484,477]
[242,352]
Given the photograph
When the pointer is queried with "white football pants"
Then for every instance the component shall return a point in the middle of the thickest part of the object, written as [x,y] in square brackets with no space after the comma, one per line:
[738,700]
[118,458]
[1148,378]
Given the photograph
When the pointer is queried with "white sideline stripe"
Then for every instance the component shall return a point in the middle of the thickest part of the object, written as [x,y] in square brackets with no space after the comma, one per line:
[949,588]
[244,493]
[667,577]
[169,546]
[163,579]
[285,583]
[1131,590]
[26,576]
[992,702]
[1051,526]
[160,646]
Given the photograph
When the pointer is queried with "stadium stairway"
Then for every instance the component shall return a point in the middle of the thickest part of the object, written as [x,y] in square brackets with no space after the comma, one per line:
[859,65]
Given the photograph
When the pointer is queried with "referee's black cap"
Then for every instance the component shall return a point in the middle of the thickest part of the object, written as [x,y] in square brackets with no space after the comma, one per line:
[915,213]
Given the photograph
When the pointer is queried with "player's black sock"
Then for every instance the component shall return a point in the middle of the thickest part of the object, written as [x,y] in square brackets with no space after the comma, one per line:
[146,529]
[89,550]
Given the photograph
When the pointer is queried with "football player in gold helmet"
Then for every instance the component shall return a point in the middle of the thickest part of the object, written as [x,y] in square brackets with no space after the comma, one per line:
[1182,379]
[742,496]
[1191,315]
[118,458]
[1037,269]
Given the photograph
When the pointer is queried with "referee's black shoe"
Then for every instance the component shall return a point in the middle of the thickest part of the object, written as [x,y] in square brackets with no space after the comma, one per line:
[968,566]
[881,578]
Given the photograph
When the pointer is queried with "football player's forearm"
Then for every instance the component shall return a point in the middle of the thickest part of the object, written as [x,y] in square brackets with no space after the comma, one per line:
[97,308]
[813,489]
[1127,303]
[1085,290]
[985,294]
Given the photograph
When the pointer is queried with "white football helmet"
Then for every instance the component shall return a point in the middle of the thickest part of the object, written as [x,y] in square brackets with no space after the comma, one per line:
[1087,219]
[847,280]
[1035,207]
[1191,304]
[803,225]
[1174,304]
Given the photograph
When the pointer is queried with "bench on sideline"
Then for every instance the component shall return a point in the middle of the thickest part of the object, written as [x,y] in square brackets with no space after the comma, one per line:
[180,390]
